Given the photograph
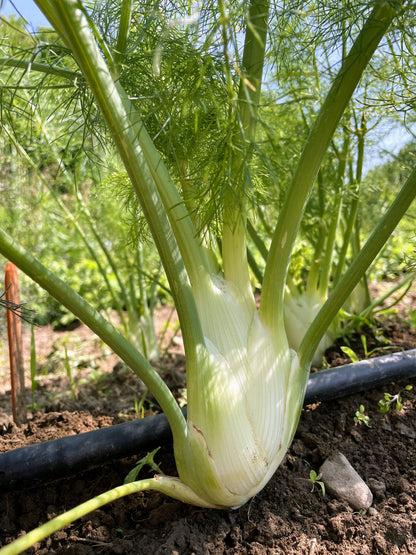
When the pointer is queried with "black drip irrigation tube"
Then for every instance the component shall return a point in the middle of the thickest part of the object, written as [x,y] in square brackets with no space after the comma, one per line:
[45,462]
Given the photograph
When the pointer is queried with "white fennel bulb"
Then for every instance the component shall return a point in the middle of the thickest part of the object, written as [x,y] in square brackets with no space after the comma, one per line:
[300,311]
[244,399]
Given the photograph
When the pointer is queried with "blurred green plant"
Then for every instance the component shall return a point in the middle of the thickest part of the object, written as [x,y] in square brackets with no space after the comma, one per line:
[316,480]
[366,353]
[148,460]
[390,400]
[362,418]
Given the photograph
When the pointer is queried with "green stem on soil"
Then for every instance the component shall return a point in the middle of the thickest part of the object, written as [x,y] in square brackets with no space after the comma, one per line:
[14,252]
[172,487]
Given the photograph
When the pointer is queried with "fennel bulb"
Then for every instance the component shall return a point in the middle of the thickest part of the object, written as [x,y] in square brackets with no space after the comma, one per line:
[300,311]
[359,299]
[245,394]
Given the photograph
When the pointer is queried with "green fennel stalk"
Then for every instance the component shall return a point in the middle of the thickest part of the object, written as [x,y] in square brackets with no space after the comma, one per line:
[317,143]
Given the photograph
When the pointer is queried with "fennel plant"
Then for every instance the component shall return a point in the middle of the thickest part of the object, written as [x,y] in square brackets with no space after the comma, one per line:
[245,385]
[330,233]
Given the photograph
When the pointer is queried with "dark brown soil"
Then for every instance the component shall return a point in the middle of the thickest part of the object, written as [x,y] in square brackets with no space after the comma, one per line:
[287,517]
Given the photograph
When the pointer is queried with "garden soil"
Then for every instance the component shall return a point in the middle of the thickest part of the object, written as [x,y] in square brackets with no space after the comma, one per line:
[290,516]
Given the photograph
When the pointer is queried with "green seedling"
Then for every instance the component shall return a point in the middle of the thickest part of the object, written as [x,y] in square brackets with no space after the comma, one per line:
[316,480]
[389,400]
[349,352]
[379,337]
[367,354]
[139,404]
[147,460]
[361,418]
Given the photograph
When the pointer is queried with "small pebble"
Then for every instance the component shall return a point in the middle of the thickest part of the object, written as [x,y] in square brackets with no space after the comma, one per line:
[342,481]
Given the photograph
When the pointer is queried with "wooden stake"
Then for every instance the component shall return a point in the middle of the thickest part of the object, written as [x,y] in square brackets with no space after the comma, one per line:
[14,332]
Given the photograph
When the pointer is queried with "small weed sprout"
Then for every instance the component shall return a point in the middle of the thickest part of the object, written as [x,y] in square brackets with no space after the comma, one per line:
[361,418]
[367,354]
[349,352]
[139,404]
[316,479]
[389,400]
[147,460]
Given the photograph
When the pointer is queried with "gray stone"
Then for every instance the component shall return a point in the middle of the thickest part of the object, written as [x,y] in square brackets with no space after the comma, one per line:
[342,481]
